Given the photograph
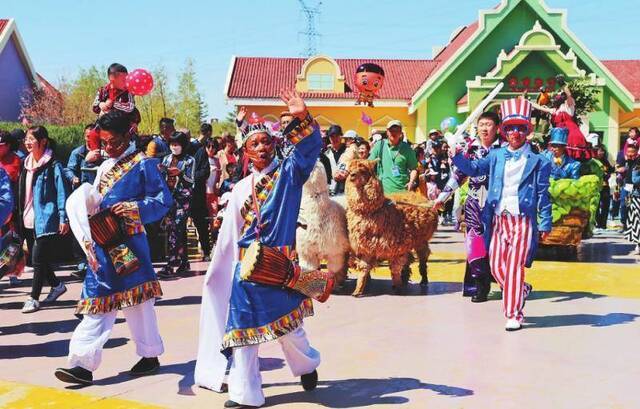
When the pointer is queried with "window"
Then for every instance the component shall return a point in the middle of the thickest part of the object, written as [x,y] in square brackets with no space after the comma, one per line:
[320,82]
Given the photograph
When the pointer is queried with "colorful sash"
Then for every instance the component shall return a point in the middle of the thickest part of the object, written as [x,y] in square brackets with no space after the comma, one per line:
[123,259]
[262,190]
[121,168]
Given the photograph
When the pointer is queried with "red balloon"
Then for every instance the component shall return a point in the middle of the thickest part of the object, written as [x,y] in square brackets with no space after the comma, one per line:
[139,82]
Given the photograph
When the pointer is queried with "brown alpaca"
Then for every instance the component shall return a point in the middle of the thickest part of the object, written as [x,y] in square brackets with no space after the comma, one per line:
[380,229]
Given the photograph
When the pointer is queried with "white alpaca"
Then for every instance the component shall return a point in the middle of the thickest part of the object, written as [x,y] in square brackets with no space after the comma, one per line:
[323,231]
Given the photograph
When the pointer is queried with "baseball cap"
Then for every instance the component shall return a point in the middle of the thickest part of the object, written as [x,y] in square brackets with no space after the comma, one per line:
[394,122]
[350,134]
[434,131]
[334,130]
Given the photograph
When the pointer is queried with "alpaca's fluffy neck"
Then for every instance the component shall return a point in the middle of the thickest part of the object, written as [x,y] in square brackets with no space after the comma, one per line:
[365,199]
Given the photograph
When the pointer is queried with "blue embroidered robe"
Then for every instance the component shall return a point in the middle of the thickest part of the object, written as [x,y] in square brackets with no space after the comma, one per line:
[260,313]
[136,181]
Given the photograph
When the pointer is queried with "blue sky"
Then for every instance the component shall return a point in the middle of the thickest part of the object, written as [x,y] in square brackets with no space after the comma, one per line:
[64,35]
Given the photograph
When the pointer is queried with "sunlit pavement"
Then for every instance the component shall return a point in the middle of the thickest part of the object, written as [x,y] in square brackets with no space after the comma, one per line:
[579,347]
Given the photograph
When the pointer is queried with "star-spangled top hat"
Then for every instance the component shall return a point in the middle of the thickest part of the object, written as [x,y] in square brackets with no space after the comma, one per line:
[516,111]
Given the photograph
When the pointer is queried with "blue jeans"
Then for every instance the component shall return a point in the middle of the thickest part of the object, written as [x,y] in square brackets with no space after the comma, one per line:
[623,207]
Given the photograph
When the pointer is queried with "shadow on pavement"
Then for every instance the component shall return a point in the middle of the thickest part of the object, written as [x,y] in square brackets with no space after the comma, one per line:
[52,349]
[563,295]
[186,300]
[601,248]
[186,369]
[593,320]
[351,393]
[184,384]
[57,305]
[378,287]
[44,328]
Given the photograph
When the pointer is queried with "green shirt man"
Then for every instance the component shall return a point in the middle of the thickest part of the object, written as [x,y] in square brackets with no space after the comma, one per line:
[398,164]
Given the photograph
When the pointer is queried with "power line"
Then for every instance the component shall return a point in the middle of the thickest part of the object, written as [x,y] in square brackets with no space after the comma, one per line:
[312,34]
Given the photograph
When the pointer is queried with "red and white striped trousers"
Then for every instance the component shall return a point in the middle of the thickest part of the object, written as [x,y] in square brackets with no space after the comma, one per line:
[507,256]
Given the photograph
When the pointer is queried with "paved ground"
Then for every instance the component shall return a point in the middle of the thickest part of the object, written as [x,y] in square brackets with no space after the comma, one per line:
[579,347]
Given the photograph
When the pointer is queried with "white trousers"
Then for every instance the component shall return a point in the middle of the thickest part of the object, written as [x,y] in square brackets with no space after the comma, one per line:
[89,337]
[245,381]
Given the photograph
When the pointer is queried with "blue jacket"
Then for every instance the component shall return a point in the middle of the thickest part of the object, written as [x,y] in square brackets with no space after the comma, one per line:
[158,147]
[50,193]
[568,169]
[6,197]
[80,168]
[635,179]
[533,192]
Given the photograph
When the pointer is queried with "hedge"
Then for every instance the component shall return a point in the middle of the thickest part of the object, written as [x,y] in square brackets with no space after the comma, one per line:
[67,137]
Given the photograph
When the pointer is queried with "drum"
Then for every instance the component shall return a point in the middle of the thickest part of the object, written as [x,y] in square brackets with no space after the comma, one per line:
[12,257]
[107,229]
[268,265]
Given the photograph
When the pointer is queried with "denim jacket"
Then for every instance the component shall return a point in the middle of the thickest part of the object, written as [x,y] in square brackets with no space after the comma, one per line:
[80,168]
[50,192]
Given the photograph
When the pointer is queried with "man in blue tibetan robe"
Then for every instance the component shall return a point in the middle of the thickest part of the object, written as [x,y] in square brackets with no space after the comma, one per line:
[237,315]
[128,192]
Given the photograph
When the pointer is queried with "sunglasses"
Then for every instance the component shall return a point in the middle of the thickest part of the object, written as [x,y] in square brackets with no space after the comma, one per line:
[515,128]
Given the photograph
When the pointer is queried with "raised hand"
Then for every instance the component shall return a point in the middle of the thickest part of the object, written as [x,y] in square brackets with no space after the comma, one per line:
[294,102]
[242,113]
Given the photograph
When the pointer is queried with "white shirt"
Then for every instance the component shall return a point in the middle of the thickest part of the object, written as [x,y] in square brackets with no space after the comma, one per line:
[513,170]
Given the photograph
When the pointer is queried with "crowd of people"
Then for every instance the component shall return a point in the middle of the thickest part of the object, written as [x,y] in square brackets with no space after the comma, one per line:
[120,189]
[201,171]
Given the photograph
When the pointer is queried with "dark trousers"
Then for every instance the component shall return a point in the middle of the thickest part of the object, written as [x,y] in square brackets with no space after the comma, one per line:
[448,209]
[199,218]
[41,252]
[477,269]
[176,225]
[603,208]
[615,207]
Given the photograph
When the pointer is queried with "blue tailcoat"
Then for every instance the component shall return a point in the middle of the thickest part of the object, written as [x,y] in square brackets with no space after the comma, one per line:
[533,192]
[568,169]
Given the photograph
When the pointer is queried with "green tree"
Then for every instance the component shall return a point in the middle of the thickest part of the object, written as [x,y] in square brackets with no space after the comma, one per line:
[190,107]
[80,93]
[228,124]
[158,104]
[585,96]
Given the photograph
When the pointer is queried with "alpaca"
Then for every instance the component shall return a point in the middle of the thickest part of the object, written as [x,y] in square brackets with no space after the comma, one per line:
[380,229]
[322,231]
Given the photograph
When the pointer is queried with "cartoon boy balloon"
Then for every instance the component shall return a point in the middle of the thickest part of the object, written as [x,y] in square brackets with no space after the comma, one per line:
[369,80]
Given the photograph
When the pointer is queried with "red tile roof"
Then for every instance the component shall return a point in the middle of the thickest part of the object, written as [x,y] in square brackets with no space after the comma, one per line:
[3,24]
[628,73]
[47,85]
[263,77]
[450,49]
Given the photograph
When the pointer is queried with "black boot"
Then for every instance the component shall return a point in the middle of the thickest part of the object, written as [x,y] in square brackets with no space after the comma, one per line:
[309,381]
[483,284]
[76,375]
[468,284]
[145,366]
